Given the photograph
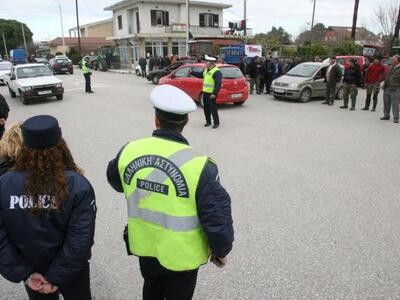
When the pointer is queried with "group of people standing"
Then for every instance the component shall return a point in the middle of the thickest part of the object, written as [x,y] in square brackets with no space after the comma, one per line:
[155,63]
[376,77]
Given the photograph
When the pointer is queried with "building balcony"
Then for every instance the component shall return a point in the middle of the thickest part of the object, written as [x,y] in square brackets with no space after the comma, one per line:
[208,32]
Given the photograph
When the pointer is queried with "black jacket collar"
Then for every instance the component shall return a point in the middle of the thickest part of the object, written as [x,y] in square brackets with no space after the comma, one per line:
[170,135]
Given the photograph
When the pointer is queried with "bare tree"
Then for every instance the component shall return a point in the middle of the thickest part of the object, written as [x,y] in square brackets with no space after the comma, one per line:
[355,15]
[396,30]
[386,18]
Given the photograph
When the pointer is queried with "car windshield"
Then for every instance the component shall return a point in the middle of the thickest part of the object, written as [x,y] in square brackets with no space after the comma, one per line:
[30,72]
[41,60]
[231,73]
[5,66]
[62,61]
[303,70]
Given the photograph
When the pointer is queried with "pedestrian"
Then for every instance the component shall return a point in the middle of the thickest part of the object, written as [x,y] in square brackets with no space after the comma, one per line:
[351,79]
[10,146]
[4,110]
[179,215]
[143,64]
[156,63]
[212,82]
[277,68]
[48,212]
[243,65]
[151,63]
[87,73]
[375,74]
[254,72]
[268,69]
[332,77]
[391,91]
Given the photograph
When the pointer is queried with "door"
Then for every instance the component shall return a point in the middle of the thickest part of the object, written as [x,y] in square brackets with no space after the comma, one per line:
[195,84]
[319,84]
[180,79]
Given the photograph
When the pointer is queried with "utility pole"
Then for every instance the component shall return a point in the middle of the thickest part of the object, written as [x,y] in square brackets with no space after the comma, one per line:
[245,17]
[312,21]
[187,27]
[5,45]
[23,35]
[79,31]
[62,25]
[355,15]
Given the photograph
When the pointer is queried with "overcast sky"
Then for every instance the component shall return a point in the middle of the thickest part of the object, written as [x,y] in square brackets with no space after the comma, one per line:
[293,15]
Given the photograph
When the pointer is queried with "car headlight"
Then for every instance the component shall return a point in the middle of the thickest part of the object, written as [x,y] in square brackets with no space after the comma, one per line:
[293,86]
[59,85]
[273,82]
[27,88]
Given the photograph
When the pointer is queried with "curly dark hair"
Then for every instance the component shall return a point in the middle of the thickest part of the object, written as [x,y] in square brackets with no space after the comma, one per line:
[45,170]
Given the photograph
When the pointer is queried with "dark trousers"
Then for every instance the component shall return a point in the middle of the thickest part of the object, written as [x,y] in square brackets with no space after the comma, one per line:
[161,283]
[78,289]
[330,92]
[143,71]
[268,83]
[262,84]
[88,87]
[210,108]
[391,102]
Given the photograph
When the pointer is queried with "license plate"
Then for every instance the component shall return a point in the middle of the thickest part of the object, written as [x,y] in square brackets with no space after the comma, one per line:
[234,96]
[64,69]
[44,92]
[279,91]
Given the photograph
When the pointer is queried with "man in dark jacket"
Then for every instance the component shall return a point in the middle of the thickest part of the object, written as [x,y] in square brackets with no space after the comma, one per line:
[143,64]
[332,76]
[268,69]
[352,79]
[277,68]
[4,110]
[212,203]
[254,72]
[391,91]
[243,65]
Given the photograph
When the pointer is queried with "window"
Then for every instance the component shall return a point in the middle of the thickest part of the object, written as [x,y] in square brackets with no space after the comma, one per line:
[159,18]
[209,20]
[184,72]
[231,73]
[156,48]
[179,48]
[119,22]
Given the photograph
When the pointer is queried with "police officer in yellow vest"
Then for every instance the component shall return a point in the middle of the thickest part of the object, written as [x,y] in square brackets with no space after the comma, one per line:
[179,215]
[212,81]
[87,73]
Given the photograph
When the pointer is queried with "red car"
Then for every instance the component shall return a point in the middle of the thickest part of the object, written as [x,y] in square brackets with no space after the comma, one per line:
[234,87]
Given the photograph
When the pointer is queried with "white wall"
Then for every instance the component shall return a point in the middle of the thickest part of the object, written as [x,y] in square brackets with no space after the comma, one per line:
[124,14]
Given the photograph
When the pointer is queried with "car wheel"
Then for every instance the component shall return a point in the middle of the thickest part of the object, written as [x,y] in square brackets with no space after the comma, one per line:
[72,72]
[200,100]
[137,73]
[23,99]
[305,96]
[238,103]
[60,97]
[339,94]
[155,79]
[12,94]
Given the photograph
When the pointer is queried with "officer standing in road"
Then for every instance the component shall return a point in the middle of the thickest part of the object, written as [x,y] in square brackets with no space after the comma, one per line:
[212,81]
[178,212]
[87,72]
[47,217]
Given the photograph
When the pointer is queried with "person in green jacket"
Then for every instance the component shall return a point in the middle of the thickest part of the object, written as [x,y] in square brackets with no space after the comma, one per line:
[87,73]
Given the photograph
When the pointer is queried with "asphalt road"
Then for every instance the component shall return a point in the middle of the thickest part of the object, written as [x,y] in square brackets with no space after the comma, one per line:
[315,192]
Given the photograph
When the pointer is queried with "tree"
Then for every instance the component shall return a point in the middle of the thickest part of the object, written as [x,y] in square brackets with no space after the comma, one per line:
[396,31]
[13,35]
[309,50]
[386,18]
[347,47]
[355,15]
[317,35]
[273,38]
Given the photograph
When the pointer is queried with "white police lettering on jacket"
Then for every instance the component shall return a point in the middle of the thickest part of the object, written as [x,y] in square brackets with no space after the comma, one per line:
[24,202]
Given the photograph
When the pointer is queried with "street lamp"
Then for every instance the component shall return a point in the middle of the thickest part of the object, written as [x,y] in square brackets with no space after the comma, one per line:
[62,25]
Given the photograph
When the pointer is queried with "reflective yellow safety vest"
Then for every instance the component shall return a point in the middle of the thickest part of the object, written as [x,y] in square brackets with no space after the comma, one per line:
[160,179]
[208,81]
[85,67]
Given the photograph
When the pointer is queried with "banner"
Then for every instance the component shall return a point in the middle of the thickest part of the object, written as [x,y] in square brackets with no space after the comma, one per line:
[253,50]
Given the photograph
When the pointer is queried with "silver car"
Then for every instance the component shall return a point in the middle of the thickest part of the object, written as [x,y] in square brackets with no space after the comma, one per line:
[303,82]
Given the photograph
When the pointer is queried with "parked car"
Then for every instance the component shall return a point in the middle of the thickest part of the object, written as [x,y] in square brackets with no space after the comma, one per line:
[155,76]
[138,70]
[42,60]
[5,69]
[63,57]
[61,66]
[234,85]
[31,81]
[304,82]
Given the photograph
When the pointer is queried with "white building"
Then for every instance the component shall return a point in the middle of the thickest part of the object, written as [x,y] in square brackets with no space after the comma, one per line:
[157,27]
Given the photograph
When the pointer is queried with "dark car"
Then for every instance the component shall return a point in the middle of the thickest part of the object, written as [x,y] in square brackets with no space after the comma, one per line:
[61,66]
[155,76]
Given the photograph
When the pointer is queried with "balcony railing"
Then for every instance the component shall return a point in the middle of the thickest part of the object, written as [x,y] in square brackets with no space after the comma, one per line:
[198,31]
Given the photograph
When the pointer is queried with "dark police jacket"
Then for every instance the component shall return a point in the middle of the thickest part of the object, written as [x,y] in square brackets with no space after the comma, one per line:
[213,202]
[55,244]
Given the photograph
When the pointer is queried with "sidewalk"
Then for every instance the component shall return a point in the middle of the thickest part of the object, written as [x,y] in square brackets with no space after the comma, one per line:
[122,71]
